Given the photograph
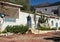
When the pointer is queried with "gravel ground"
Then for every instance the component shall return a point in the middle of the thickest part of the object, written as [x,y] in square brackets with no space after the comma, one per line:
[28,38]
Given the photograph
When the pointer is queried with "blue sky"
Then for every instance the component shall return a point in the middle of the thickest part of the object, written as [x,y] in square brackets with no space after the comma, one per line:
[35,2]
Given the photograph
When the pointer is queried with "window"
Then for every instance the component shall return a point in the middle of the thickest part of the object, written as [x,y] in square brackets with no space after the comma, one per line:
[45,9]
[7,19]
[55,11]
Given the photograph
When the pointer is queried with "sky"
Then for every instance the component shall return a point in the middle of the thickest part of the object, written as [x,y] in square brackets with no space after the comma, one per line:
[35,2]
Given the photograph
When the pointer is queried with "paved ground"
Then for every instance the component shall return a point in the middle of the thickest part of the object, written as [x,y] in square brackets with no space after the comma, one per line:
[30,38]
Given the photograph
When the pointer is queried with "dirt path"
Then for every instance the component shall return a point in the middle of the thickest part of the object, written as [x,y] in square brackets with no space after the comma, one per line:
[27,38]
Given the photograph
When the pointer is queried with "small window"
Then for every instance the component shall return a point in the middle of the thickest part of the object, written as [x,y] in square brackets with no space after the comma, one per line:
[55,11]
[45,9]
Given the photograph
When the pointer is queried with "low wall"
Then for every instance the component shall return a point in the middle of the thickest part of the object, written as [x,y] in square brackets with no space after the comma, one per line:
[42,32]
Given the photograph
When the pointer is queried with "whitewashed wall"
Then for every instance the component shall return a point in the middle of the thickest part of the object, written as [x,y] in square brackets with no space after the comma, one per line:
[23,20]
[49,10]
[54,22]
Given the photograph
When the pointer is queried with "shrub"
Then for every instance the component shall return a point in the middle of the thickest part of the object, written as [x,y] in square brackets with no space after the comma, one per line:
[53,28]
[9,28]
[23,29]
[4,31]
[17,29]
[46,28]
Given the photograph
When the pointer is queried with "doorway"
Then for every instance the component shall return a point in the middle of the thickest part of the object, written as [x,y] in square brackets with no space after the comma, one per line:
[29,21]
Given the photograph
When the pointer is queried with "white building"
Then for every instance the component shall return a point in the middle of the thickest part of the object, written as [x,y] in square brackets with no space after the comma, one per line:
[10,14]
[52,11]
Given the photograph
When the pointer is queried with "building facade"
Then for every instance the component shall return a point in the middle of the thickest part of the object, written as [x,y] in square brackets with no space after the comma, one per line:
[52,11]
[11,14]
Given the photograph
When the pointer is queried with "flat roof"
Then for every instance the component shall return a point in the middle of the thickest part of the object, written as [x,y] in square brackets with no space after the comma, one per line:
[10,4]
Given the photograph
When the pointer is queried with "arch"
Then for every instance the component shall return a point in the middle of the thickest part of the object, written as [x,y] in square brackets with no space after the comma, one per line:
[29,21]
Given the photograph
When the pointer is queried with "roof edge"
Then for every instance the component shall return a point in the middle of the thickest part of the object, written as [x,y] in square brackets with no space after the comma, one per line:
[11,4]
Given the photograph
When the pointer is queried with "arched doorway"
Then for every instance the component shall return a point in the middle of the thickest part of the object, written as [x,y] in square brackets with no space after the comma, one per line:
[56,25]
[29,21]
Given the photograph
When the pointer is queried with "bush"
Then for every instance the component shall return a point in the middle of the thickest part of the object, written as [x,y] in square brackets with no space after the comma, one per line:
[9,29]
[4,31]
[53,28]
[17,29]
[46,28]
[23,29]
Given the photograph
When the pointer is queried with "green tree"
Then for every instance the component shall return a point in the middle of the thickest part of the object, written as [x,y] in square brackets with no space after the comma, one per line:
[42,20]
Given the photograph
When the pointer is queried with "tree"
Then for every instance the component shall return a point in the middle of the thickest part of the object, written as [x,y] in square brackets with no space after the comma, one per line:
[42,20]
